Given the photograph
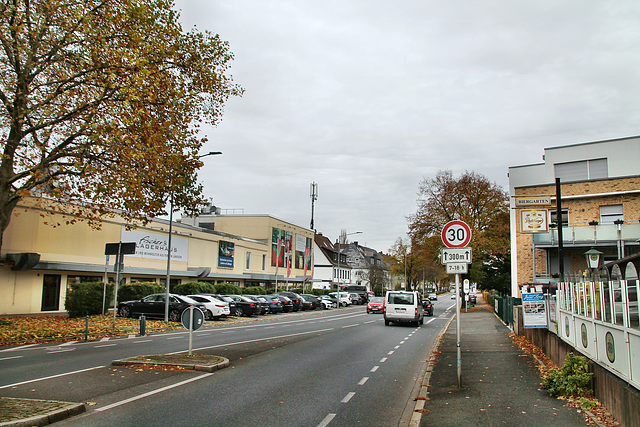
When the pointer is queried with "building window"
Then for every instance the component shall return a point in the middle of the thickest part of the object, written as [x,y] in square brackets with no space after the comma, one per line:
[582,171]
[50,292]
[248,266]
[554,217]
[610,213]
[264,262]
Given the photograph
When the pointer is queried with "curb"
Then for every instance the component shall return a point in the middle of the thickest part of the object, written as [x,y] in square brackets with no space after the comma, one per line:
[191,367]
[423,394]
[68,410]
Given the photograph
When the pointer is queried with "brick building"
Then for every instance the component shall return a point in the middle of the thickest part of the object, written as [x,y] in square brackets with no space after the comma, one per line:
[599,185]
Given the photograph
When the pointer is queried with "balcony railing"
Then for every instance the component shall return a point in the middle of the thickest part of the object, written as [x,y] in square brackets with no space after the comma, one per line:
[583,234]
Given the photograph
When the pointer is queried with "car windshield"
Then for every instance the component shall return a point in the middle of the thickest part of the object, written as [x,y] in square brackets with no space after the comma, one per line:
[376,300]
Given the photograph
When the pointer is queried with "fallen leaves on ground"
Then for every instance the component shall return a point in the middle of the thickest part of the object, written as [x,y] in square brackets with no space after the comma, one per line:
[34,329]
[604,417]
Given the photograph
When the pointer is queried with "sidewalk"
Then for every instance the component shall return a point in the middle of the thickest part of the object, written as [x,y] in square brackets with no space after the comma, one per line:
[500,385]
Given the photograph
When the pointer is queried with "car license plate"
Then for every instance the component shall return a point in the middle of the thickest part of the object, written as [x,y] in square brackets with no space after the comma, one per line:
[401,310]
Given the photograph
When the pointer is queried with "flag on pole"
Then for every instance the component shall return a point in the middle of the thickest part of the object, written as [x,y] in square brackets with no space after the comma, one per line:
[278,255]
[306,262]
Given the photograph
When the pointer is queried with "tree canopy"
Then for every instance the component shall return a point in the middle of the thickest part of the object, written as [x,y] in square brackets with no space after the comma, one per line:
[101,103]
[475,200]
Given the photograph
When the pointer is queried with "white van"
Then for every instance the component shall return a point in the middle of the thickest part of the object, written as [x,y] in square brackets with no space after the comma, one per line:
[403,306]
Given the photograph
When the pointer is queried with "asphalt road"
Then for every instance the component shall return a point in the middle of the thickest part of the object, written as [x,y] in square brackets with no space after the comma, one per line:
[336,368]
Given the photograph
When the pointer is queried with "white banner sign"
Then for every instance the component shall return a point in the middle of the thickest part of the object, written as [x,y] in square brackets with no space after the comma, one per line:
[457,268]
[154,246]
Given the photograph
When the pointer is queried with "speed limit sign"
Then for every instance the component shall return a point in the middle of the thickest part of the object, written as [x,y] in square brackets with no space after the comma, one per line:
[456,234]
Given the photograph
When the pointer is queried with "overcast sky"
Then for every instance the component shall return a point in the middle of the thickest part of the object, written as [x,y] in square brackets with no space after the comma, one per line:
[368,97]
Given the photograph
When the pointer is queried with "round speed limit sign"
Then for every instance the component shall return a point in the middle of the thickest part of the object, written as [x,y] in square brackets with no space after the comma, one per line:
[456,234]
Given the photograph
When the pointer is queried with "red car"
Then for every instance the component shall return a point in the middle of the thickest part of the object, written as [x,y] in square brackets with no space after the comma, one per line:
[375,305]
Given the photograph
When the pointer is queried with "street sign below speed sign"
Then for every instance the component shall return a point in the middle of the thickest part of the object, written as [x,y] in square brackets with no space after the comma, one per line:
[456,234]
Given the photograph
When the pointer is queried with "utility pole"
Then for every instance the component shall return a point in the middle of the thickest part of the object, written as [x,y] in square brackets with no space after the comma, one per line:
[314,197]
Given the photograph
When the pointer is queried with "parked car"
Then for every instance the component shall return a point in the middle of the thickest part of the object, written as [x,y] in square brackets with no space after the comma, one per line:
[356,299]
[433,296]
[427,305]
[224,298]
[472,298]
[325,304]
[306,304]
[215,308]
[262,303]
[245,306]
[344,298]
[295,299]
[154,306]
[313,299]
[330,299]
[287,304]
[275,305]
[375,305]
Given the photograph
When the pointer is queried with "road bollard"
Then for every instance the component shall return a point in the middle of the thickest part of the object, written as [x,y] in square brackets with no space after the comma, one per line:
[86,329]
[143,325]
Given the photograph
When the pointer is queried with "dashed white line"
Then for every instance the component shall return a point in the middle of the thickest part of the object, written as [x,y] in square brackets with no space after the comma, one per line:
[12,357]
[375,368]
[48,378]
[348,397]
[325,422]
[396,347]
[349,326]
[384,359]
[141,341]
[363,380]
[105,345]
[104,339]
[174,338]
[391,352]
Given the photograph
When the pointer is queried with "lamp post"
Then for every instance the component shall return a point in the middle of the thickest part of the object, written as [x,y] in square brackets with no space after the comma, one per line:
[168,284]
[593,259]
[338,272]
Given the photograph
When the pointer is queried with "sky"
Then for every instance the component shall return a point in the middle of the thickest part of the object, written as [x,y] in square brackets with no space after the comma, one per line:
[367,98]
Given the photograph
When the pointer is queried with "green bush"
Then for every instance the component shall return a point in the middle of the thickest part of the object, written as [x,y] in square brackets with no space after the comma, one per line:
[192,288]
[573,379]
[254,290]
[227,289]
[137,290]
[86,298]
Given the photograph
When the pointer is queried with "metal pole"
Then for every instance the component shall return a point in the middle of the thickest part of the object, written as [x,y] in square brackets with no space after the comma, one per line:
[115,291]
[168,284]
[458,329]
[190,327]
[106,279]
[560,238]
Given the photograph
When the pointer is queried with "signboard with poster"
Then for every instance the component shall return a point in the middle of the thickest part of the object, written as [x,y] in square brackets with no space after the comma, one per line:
[533,307]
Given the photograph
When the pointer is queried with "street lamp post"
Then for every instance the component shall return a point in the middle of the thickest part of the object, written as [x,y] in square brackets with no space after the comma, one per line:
[168,284]
[338,272]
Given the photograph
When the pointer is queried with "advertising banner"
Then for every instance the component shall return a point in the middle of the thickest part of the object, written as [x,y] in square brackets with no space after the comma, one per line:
[533,307]
[225,254]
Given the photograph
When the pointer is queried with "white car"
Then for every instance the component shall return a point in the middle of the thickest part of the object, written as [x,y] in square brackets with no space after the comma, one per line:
[215,309]
[326,304]
[345,298]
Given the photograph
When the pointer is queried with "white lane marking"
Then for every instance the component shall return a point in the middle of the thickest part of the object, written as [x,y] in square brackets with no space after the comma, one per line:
[375,368]
[256,340]
[104,339]
[390,353]
[370,321]
[325,422]
[174,338]
[67,343]
[348,397]
[396,347]
[105,345]
[402,342]
[363,380]
[18,348]
[60,350]
[48,378]
[430,321]
[132,335]
[349,326]
[12,357]
[141,341]
[151,393]
[384,359]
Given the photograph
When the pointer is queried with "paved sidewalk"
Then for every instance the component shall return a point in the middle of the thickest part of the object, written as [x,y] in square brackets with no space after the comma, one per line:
[500,385]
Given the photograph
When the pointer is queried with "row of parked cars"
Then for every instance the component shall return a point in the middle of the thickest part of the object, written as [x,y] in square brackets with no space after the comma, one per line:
[377,305]
[216,306]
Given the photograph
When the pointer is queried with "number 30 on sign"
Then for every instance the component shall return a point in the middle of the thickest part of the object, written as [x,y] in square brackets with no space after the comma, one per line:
[456,234]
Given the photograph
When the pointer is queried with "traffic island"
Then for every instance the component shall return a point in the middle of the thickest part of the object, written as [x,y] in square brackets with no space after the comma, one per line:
[18,412]
[194,362]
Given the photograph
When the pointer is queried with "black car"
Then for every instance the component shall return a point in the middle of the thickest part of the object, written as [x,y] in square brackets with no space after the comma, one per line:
[306,303]
[275,305]
[154,306]
[264,305]
[427,305]
[245,306]
[287,304]
[313,300]
[295,299]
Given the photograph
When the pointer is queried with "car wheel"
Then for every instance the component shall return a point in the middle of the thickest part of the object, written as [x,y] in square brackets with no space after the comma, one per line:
[239,311]
[421,321]
[124,311]
[208,315]
[174,316]
[386,322]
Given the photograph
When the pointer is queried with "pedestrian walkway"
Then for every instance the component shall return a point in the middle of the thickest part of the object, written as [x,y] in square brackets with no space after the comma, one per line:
[500,385]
